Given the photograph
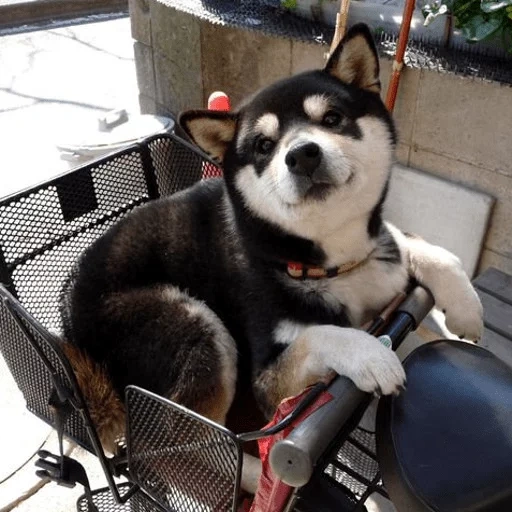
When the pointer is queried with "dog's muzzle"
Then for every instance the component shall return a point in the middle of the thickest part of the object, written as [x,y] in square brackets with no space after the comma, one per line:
[306,165]
[304,159]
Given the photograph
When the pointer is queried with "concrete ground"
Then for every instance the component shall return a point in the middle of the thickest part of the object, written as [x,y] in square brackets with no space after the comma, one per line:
[53,84]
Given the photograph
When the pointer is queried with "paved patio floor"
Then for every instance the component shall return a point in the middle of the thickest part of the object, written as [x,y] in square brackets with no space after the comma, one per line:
[56,82]
[52,83]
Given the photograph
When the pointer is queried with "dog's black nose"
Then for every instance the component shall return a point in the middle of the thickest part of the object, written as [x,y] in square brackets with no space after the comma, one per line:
[303,159]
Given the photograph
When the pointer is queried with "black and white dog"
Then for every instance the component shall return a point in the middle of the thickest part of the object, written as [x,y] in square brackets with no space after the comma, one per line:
[262,278]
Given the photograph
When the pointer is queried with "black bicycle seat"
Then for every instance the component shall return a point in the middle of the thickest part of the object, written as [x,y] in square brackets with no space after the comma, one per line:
[445,444]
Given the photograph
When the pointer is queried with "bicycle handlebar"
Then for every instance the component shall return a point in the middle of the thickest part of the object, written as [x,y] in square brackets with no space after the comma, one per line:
[293,459]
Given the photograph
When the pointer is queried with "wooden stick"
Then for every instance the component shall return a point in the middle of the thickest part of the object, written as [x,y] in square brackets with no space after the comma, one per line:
[398,62]
[341,24]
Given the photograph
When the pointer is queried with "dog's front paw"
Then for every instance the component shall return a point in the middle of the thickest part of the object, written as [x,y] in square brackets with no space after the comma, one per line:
[373,367]
[464,313]
[442,273]
[455,296]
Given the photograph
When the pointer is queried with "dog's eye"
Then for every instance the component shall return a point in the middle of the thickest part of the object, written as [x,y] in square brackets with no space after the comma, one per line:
[264,145]
[331,119]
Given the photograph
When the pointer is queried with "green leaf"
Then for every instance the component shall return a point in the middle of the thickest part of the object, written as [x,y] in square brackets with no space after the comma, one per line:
[465,6]
[289,4]
[494,5]
[480,27]
[465,10]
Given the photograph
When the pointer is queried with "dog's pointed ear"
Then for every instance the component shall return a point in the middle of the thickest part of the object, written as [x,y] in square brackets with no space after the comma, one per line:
[355,60]
[211,130]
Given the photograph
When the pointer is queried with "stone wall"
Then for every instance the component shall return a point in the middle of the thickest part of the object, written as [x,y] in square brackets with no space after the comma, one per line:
[453,127]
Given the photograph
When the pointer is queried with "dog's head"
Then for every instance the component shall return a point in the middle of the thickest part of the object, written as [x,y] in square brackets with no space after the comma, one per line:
[310,151]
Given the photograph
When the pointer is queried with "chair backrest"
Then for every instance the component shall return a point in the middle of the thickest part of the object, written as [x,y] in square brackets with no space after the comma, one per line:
[44,229]
[42,232]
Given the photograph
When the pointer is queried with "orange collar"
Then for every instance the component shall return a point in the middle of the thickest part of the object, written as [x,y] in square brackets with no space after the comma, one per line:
[300,271]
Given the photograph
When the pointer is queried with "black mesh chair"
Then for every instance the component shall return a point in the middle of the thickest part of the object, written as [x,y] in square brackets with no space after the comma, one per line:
[174,460]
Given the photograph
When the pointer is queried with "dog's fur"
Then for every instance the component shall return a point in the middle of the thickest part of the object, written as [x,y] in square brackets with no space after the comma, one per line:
[189,296]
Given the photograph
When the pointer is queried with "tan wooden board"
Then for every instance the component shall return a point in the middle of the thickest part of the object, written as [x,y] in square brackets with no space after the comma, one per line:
[442,212]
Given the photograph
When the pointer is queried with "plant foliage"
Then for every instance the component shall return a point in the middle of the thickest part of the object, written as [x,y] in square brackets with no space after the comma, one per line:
[478,20]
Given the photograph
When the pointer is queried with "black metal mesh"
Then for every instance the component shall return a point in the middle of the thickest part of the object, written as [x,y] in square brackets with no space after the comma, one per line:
[31,375]
[354,466]
[186,165]
[184,462]
[105,502]
[42,232]
[425,54]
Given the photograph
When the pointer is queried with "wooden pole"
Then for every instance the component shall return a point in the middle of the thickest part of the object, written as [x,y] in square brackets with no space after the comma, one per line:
[341,24]
[398,62]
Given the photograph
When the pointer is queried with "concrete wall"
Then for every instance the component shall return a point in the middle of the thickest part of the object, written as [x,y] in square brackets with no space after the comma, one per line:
[456,128]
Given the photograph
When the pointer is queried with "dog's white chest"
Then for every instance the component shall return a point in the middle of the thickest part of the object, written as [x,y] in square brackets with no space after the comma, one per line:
[364,292]
[367,292]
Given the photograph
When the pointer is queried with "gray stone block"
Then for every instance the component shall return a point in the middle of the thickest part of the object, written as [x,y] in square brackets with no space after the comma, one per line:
[150,106]
[240,62]
[145,69]
[176,58]
[140,21]
[162,110]
[175,34]
[406,99]
[147,105]
[178,86]
[306,56]
[465,119]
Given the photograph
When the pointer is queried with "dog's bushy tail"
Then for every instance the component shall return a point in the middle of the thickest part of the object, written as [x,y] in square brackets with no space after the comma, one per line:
[105,405]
